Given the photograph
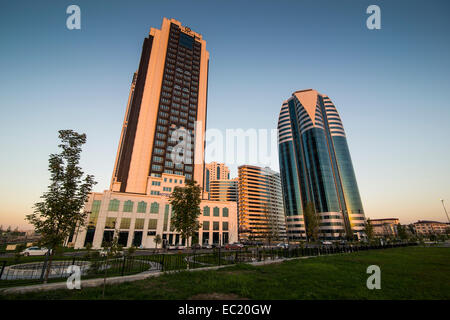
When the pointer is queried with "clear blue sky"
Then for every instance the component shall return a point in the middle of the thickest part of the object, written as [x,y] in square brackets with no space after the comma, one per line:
[390,86]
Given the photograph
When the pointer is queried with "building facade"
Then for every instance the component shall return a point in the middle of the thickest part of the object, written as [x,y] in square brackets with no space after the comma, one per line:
[224,190]
[161,146]
[136,219]
[385,227]
[167,101]
[215,171]
[260,205]
[316,167]
[425,227]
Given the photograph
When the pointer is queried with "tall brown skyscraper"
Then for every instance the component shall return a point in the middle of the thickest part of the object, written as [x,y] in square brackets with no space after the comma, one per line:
[168,92]
[166,107]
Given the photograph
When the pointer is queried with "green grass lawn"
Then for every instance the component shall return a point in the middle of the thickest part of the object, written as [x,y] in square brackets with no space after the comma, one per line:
[406,273]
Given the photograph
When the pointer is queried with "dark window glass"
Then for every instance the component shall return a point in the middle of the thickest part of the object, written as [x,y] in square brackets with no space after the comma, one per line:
[186,41]
[123,238]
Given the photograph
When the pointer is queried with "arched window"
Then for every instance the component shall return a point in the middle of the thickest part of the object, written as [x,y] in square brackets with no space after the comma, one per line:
[113,205]
[128,206]
[154,207]
[142,207]
[206,211]
[225,212]
[216,212]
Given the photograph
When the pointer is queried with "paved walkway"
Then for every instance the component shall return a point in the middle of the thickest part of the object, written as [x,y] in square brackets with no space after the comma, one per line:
[116,280]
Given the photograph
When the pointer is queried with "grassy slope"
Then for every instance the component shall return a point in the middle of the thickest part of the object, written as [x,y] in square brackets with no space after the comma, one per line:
[406,273]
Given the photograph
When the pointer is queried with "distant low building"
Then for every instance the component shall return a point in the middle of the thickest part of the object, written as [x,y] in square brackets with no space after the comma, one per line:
[385,227]
[430,227]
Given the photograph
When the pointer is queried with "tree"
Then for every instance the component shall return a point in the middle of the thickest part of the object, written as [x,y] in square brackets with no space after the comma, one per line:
[368,229]
[18,251]
[251,238]
[272,228]
[311,221]
[402,232]
[55,217]
[411,229]
[185,203]
[131,251]
[112,250]
[432,236]
[157,240]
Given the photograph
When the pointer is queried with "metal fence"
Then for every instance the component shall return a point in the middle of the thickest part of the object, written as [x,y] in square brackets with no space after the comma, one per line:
[32,270]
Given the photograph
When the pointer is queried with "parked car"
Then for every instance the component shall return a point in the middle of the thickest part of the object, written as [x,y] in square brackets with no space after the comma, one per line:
[327,243]
[35,251]
[235,245]
[206,246]
[104,253]
[196,246]
[283,245]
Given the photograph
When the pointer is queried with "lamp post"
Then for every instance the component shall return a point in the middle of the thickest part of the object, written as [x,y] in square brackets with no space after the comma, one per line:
[442,200]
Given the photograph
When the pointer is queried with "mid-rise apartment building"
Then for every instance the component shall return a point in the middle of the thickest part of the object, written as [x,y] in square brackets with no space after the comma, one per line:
[385,227]
[425,227]
[260,205]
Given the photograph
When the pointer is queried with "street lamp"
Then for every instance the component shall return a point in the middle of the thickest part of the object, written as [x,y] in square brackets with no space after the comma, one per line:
[442,200]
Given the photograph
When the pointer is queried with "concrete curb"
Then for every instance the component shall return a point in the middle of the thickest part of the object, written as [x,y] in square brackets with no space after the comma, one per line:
[140,276]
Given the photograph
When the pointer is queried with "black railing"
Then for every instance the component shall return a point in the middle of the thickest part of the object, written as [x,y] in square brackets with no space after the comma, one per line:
[32,270]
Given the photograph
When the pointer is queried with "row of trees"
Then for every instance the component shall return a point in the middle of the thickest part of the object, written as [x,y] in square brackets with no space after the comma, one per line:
[9,230]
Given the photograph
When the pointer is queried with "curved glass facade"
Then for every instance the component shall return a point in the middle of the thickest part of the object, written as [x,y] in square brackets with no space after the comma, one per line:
[289,181]
[315,166]
[347,174]
[320,172]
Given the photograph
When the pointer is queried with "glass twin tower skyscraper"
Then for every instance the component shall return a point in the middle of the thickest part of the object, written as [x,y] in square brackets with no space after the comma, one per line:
[316,167]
